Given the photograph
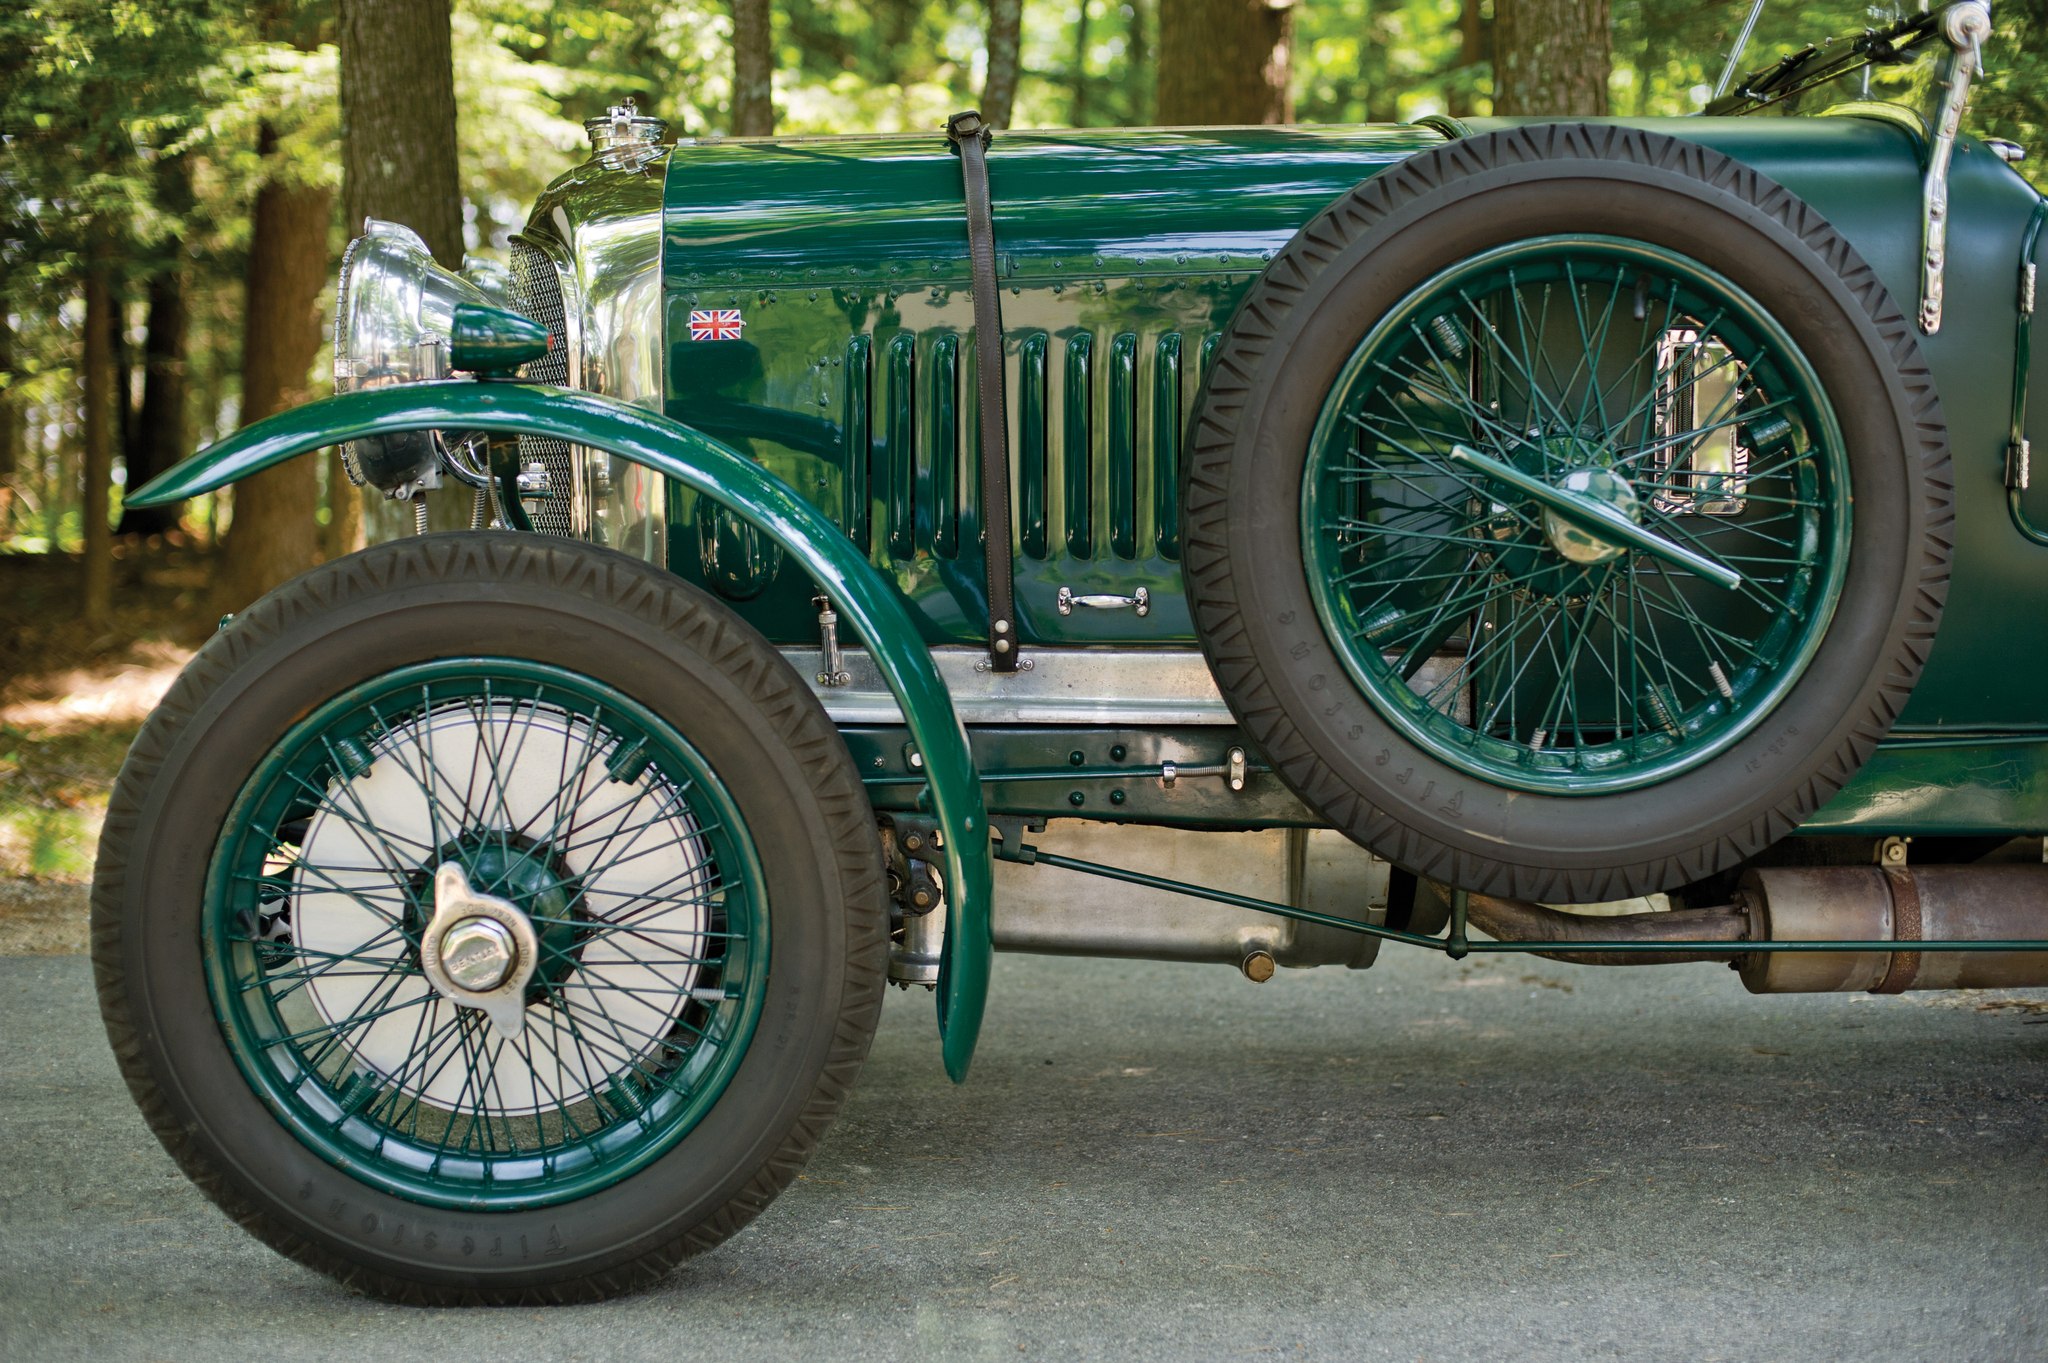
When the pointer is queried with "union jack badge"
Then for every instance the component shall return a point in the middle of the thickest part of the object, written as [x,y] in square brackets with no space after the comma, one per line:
[715,324]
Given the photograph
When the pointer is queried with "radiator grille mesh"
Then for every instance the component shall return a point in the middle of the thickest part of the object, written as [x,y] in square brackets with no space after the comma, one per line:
[537,293]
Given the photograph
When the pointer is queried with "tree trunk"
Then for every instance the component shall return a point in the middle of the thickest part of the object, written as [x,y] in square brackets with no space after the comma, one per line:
[398,121]
[1551,57]
[1472,36]
[10,411]
[1225,61]
[160,430]
[275,532]
[61,483]
[1005,32]
[753,69]
[1138,63]
[98,474]
[1077,117]
[126,428]
[211,387]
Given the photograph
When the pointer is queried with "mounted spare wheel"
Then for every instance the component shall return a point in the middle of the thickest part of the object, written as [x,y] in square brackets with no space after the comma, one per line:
[484,918]
[1568,515]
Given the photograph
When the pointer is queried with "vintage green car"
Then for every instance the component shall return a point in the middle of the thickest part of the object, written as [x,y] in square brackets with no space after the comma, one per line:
[1357,534]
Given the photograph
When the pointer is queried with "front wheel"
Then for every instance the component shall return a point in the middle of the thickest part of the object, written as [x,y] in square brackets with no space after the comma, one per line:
[483,919]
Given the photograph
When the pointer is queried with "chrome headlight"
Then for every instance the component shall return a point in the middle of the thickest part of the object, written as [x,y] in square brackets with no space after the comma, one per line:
[394,314]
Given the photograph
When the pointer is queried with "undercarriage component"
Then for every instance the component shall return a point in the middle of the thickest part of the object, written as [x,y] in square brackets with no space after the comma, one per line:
[1972,926]
[914,955]
[1902,904]
[1065,913]
[912,848]
[1863,904]
[1514,920]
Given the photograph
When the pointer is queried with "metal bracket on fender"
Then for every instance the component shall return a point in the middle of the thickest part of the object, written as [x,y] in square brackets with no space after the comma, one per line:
[710,467]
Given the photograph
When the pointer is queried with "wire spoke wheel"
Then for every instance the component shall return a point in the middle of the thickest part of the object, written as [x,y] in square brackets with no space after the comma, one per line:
[1519,512]
[1519,645]
[490,918]
[557,794]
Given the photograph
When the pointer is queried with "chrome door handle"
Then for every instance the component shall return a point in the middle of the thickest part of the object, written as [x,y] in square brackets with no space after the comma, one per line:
[1141,600]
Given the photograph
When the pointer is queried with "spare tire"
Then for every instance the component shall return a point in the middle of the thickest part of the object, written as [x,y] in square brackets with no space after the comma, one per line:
[1519,524]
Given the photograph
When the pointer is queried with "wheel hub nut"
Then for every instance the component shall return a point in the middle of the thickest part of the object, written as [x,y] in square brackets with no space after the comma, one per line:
[478,953]
[1577,544]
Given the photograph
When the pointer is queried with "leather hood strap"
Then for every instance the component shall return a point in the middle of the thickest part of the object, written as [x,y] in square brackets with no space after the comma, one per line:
[970,137]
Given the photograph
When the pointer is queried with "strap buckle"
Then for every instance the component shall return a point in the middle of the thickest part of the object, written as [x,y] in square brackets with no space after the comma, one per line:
[968,123]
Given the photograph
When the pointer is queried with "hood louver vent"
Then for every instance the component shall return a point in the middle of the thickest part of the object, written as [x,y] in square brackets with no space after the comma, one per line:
[1098,472]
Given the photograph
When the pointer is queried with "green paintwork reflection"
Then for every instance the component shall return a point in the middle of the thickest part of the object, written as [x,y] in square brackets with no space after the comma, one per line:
[1925,783]
[821,241]
[707,467]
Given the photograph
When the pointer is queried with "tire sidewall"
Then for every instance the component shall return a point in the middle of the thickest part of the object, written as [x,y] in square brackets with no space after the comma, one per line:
[700,1189]
[1256,615]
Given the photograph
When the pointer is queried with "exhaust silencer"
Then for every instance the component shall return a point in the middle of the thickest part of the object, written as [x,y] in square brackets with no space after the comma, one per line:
[1902,904]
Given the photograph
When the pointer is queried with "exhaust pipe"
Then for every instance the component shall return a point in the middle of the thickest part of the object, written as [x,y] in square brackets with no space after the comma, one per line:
[1515,920]
[1823,903]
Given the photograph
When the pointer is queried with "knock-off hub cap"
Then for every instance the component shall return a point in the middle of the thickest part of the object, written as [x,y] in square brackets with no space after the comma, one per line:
[479,951]
[1576,543]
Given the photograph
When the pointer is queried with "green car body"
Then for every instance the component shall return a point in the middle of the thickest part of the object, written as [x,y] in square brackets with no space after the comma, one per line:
[827,284]
[1123,254]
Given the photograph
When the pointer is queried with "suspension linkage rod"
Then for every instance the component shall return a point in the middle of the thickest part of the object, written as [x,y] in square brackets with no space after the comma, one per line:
[1027,855]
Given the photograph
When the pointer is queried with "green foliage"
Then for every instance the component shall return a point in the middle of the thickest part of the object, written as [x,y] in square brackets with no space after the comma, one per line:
[1670,53]
[1359,61]
[89,93]
[2013,102]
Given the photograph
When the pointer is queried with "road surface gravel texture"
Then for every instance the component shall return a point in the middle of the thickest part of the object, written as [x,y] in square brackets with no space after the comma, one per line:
[1499,1159]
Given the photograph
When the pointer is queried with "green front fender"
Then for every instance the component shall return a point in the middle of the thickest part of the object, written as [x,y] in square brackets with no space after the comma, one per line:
[719,472]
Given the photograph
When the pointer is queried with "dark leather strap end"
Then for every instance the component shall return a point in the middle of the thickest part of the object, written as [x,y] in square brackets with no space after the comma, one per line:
[965,124]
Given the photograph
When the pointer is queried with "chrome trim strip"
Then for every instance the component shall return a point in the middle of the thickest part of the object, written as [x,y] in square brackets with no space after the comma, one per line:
[1064,686]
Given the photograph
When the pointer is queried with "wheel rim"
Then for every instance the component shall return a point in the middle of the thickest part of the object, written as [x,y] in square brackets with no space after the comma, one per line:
[1507,641]
[559,795]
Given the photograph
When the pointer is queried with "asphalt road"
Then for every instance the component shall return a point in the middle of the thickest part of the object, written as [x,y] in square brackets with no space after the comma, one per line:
[1426,1160]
